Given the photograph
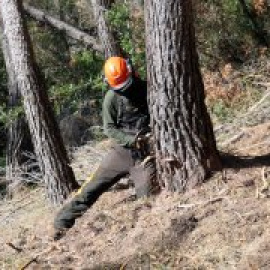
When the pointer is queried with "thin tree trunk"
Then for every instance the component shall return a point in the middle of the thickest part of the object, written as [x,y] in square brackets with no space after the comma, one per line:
[14,138]
[49,148]
[69,30]
[185,145]
[107,38]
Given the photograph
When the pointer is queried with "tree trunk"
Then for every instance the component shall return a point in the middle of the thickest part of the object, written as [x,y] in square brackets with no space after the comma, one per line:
[18,137]
[49,148]
[14,138]
[108,40]
[69,30]
[184,141]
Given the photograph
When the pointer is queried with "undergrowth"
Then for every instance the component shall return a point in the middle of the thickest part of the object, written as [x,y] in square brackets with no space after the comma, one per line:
[231,91]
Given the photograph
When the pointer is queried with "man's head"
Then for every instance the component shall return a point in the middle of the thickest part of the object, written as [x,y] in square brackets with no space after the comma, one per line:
[118,73]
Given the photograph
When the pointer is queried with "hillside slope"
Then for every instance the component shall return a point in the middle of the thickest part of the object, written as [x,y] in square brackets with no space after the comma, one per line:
[223,224]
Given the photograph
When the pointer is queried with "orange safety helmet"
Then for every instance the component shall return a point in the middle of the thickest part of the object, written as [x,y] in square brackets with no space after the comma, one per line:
[118,73]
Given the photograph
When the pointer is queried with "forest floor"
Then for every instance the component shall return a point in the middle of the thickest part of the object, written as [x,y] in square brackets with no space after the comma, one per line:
[223,224]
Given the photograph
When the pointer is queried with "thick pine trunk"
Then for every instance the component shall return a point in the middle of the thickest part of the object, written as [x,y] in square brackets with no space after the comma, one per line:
[49,147]
[185,145]
[108,40]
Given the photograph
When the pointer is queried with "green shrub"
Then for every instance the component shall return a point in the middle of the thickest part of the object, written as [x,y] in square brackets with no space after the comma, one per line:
[221,112]
[72,73]
[130,32]
[88,84]
[225,33]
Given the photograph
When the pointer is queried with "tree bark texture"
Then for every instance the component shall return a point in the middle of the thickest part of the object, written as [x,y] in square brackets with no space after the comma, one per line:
[18,137]
[69,30]
[49,148]
[185,145]
[13,140]
[108,40]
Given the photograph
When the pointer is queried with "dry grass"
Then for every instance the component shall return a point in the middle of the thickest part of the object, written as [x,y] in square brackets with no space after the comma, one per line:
[220,225]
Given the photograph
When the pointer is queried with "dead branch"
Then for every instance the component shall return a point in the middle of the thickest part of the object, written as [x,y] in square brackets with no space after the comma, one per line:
[233,139]
[204,203]
[256,105]
[35,257]
[69,30]
[259,109]
[17,249]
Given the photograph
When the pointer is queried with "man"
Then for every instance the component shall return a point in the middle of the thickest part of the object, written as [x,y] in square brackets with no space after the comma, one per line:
[126,120]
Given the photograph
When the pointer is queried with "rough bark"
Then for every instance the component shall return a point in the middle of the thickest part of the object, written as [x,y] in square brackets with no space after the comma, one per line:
[107,38]
[185,145]
[69,30]
[18,137]
[49,148]
[13,140]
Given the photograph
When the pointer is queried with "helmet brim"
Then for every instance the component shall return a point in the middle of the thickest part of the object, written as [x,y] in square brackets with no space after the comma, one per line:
[123,86]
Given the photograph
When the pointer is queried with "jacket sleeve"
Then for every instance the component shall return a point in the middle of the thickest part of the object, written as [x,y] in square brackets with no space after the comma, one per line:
[109,114]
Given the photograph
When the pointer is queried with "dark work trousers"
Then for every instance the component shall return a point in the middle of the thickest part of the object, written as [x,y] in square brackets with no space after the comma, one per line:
[115,165]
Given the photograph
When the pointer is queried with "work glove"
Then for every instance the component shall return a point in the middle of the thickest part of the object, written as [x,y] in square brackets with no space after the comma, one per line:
[142,142]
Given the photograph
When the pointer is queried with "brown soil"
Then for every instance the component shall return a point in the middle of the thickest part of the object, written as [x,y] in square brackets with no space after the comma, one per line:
[224,224]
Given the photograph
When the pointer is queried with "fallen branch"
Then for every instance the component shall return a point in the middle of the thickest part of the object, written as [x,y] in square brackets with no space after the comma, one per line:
[232,130]
[256,105]
[29,262]
[211,201]
[233,139]
[35,258]
[17,249]
[69,30]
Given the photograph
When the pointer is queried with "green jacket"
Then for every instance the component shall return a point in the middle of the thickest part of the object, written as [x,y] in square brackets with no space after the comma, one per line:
[124,115]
